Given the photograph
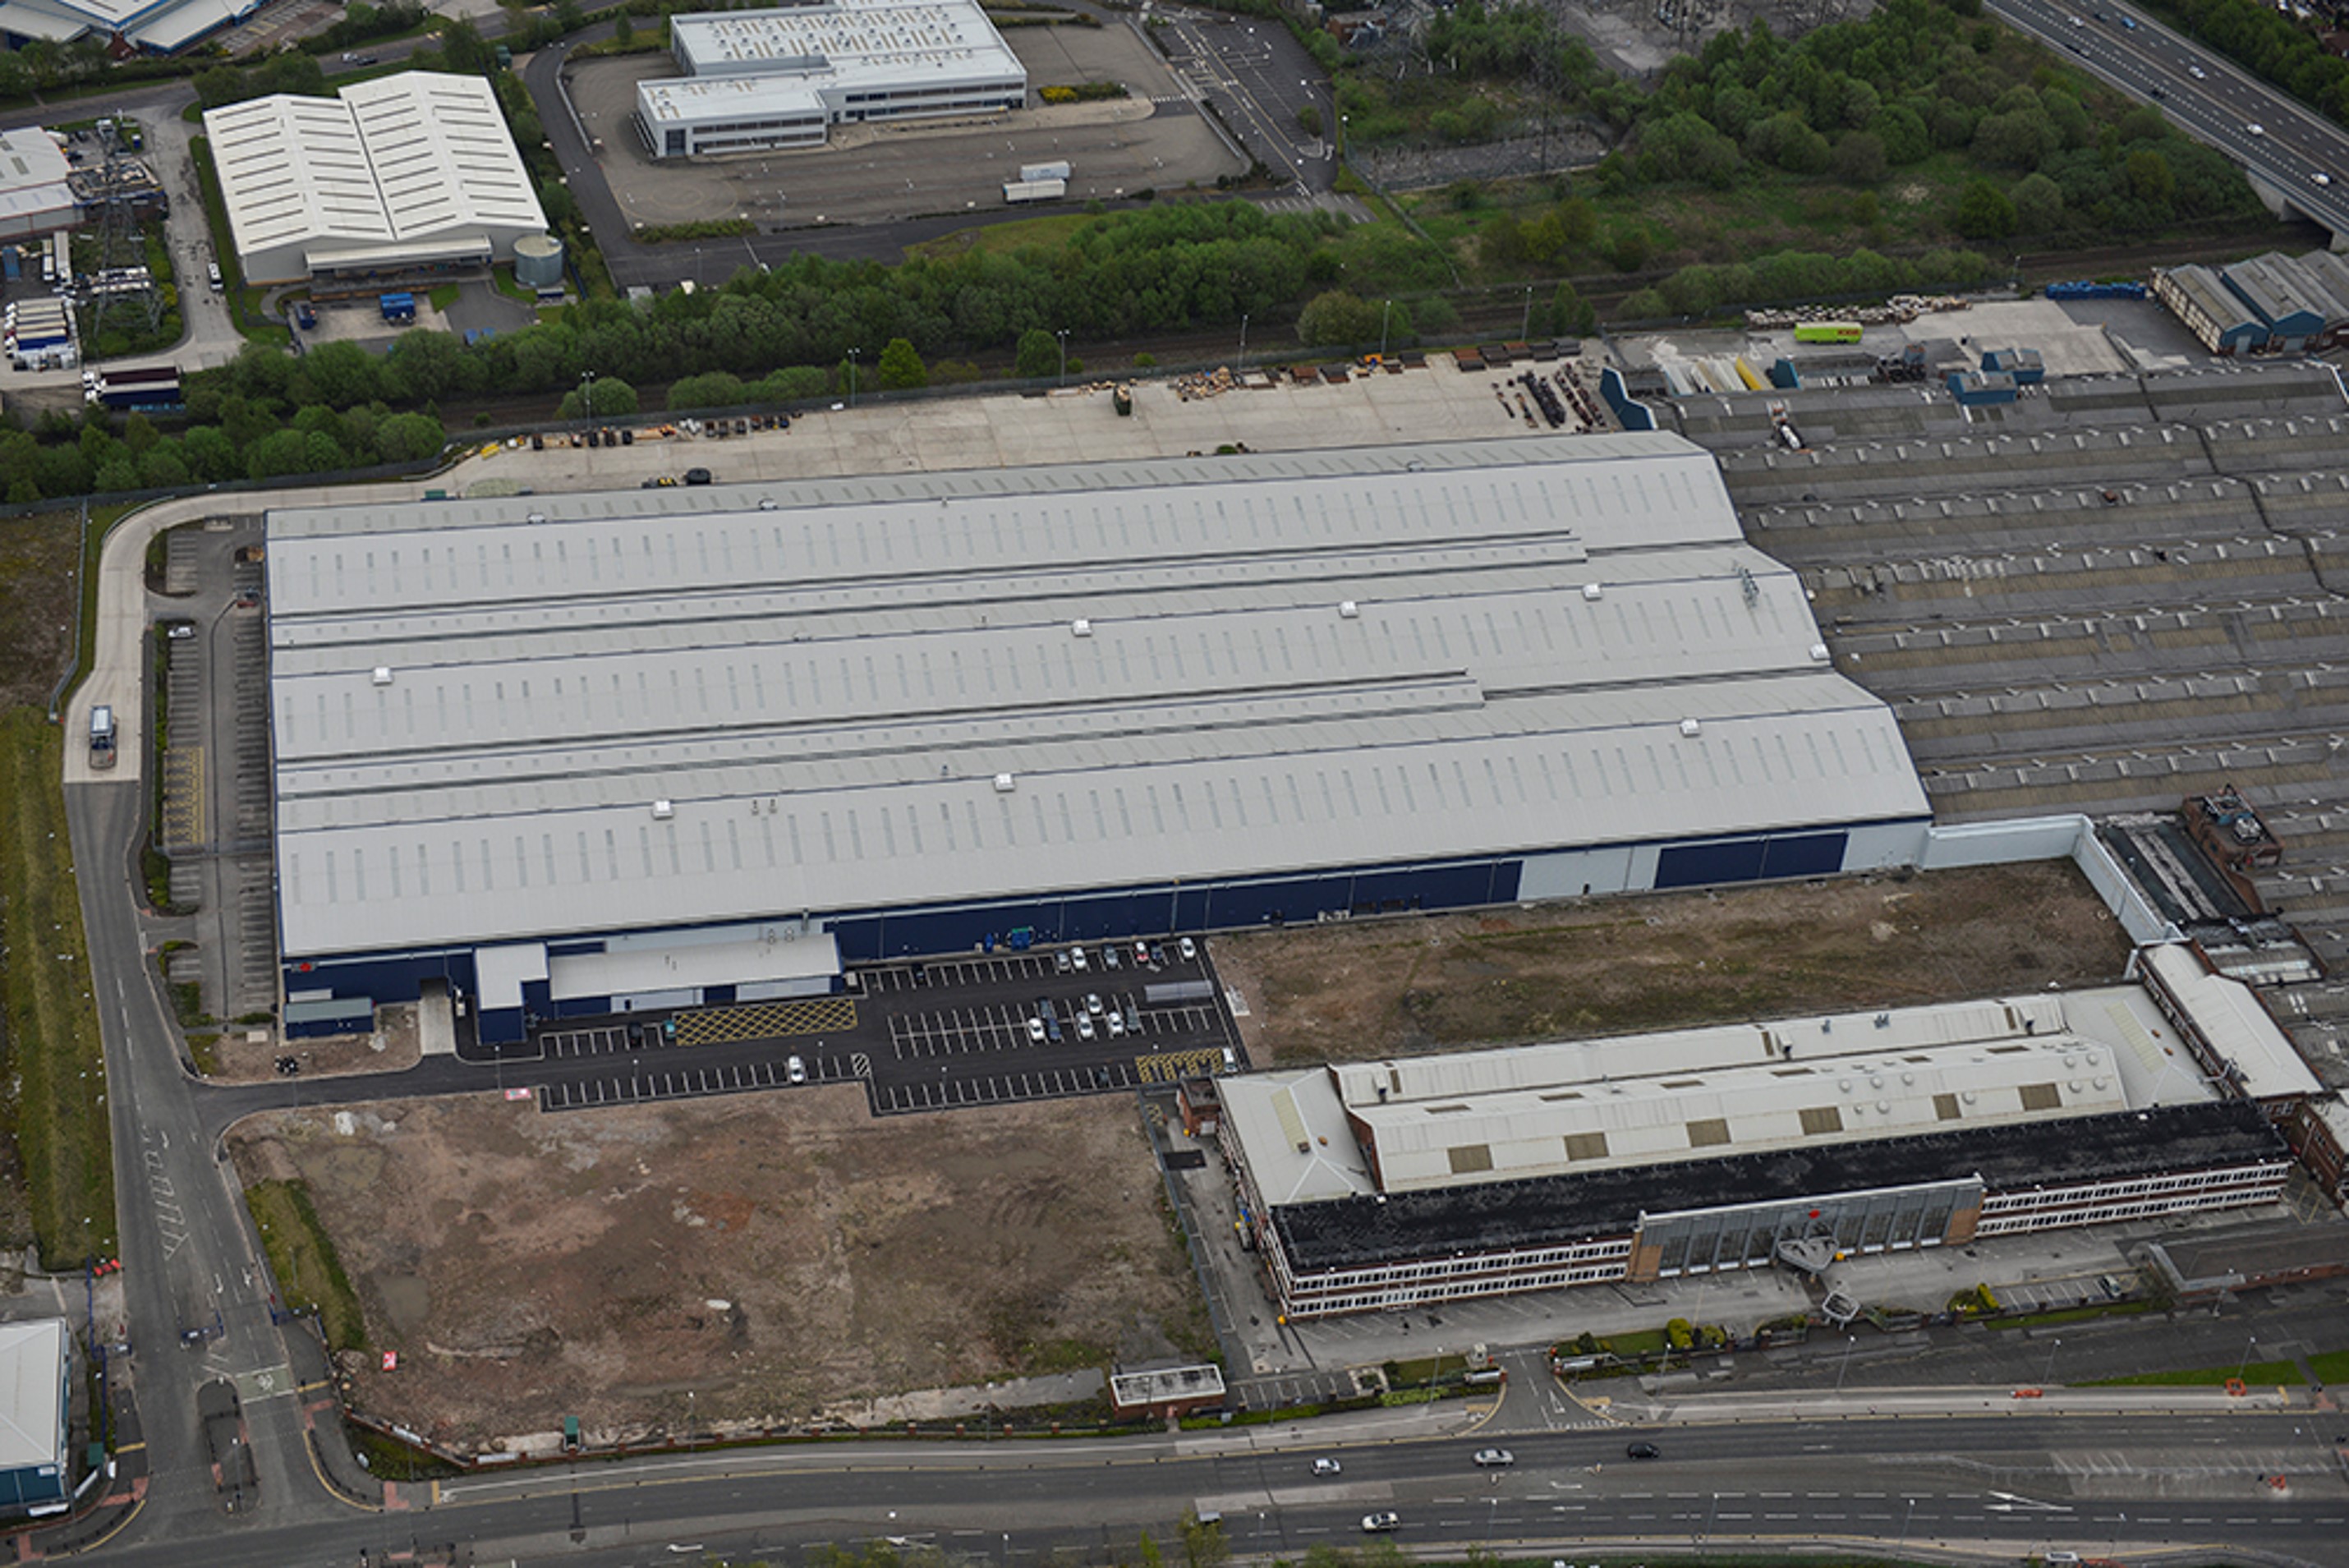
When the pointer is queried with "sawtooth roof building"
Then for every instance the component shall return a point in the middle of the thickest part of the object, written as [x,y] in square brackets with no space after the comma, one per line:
[597,754]
[757,80]
[1379,1185]
[404,174]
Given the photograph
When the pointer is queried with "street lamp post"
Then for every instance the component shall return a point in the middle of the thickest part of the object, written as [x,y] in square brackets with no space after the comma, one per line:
[587,393]
[1243,342]
[1526,325]
[1385,316]
[2049,1375]
[1844,1365]
[1906,1520]
[2244,1364]
[852,376]
[1062,333]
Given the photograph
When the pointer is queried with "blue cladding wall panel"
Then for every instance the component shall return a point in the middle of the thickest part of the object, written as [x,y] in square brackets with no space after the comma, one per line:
[1805,855]
[1698,865]
[499,1025]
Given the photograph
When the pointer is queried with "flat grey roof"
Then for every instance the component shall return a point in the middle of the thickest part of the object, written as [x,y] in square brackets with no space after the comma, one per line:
[871,693]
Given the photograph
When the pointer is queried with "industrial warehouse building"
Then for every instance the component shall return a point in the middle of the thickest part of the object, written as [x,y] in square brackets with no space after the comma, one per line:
[405,176]
[37,1373]
[572,755]
[2269,303]
[757,80]
[36,197]
[1391,1184]
[160,26]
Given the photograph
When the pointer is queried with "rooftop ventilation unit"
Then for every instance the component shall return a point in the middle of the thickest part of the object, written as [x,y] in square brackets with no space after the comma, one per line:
[1592,591]
[1082,627]
[1690,728]
[1818,653]
[383,675]
[1004,783]
[663,811]
[1350,610]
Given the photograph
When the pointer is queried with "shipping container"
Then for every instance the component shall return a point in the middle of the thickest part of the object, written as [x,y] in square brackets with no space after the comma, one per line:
[1016,191]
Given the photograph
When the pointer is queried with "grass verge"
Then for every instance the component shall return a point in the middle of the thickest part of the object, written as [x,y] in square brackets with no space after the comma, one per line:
[53,1103]
[388,1458]
[310,1276]
[2257,1373]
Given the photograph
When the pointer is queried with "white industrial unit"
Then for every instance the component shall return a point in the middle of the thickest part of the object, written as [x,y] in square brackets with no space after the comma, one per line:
[406,173]
[160,26]
[759,80]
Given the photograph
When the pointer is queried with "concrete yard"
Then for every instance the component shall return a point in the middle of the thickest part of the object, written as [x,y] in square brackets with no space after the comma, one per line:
[761,1261]
[1383,988]
[1153,139]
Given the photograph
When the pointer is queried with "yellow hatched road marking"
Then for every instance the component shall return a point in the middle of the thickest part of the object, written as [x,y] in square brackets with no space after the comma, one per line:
[1173,1066]
[766,1021]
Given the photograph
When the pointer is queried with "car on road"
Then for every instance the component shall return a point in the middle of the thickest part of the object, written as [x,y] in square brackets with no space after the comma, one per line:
[2256,128]
[1381,1523]
[2322,178]
[2129,22]
[795,1070]
[1036,1030]
[1084,1027]
[1644,1451]
[1495,1458]
[1326,1467]
[2197,73]
[1188,948]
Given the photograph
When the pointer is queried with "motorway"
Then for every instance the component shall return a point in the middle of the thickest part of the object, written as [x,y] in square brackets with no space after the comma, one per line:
[2001,1485]
[2209,97]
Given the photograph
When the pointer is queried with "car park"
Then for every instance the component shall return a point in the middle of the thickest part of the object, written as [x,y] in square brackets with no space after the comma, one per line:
[1381,1523]
[795,1070]
[1495,1458]
[1326,1467]
[1188,948]
[1644,1451]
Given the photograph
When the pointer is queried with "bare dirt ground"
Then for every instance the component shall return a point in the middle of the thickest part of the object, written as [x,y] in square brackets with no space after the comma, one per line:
[1357,992]
[771,1256]
[250,1055]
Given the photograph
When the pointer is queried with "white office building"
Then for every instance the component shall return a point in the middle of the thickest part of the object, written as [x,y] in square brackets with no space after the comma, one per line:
[757,80]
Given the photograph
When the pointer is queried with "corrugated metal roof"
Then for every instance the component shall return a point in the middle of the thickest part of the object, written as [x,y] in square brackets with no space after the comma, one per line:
[474,713]
[2236,1026]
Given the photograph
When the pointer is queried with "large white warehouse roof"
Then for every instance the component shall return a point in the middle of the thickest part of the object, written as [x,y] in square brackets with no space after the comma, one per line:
[394,171]
[575,714]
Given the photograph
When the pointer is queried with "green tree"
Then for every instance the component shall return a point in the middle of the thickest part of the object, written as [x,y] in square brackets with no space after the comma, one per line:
[1858,159]
[405,438]
[1336,319]
[1984,211]
[2149,178]
[902,366]
[2038,204]
[711,390]
[612,399]
[1573,313]
[1037,356]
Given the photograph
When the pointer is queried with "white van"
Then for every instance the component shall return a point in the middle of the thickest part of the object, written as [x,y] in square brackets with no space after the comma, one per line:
[212,272]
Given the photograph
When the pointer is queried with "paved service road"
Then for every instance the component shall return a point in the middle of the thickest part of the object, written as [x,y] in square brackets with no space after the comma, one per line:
[2209,98]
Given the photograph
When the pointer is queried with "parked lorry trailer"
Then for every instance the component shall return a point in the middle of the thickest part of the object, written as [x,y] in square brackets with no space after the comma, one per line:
[143,387]
[1017,191]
